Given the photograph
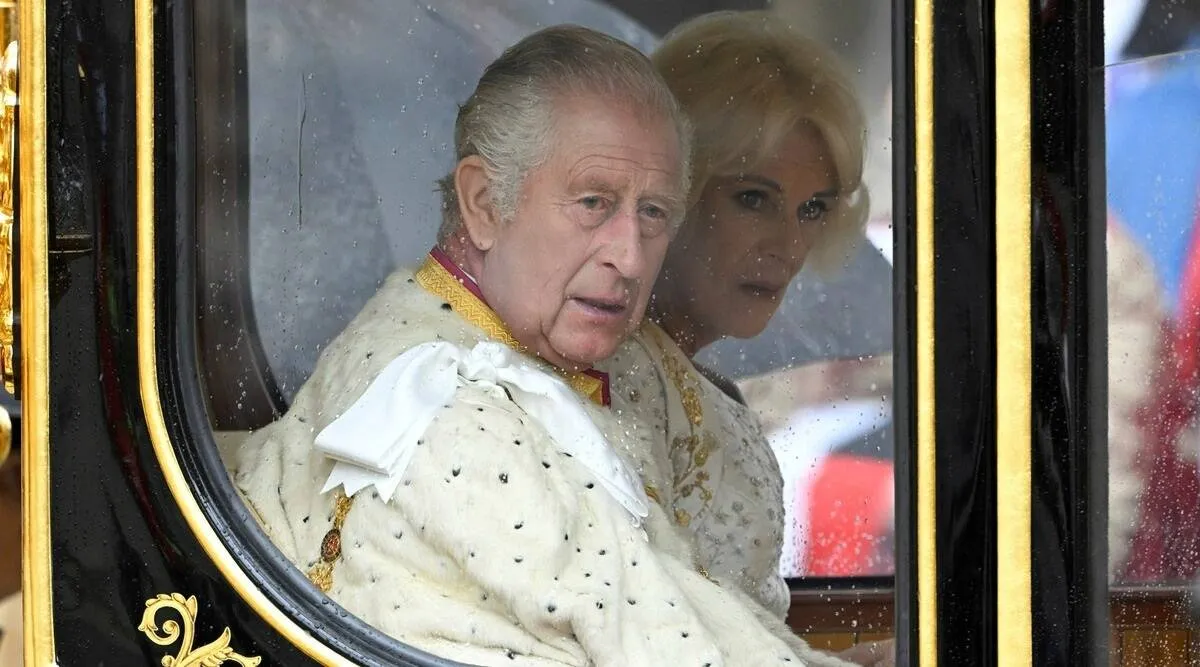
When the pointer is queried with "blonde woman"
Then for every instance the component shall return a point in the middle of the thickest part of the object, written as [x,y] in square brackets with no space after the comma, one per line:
[777,184]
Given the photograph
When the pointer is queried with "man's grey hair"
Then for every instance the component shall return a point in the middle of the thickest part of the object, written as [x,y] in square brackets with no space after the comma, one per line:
[509,120]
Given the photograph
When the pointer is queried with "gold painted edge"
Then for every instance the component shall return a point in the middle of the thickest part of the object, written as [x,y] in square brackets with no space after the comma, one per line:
[147,367]
[926,506]
[1014,343]
[36,590]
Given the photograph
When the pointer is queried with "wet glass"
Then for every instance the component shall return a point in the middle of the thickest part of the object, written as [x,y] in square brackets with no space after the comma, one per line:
[322,136]
[820,376]
[1152,114]
[1152,156]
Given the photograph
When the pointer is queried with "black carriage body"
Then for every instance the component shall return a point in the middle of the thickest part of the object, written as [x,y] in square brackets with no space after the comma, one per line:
[119,446]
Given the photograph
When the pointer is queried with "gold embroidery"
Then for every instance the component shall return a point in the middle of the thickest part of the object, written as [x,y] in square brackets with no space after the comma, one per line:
[693,477]
[690,477]
[704,573]
[435,278]
[321,574]
[652,494]
[685,383]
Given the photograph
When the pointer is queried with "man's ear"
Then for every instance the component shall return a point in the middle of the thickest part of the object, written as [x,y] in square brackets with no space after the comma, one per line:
[479,216]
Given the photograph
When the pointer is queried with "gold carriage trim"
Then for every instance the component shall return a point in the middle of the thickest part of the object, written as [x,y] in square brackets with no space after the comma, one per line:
[212,654]
[8,113]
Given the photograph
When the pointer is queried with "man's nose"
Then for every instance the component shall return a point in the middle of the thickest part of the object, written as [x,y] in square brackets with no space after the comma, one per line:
[623,244]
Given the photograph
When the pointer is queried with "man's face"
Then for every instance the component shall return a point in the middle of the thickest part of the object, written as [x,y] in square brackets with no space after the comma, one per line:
[571,273]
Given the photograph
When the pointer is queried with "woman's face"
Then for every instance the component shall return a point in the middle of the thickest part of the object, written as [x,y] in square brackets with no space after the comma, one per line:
[745,240]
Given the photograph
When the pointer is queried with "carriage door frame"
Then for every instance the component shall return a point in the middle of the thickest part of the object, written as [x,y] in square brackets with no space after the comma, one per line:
[1000,255]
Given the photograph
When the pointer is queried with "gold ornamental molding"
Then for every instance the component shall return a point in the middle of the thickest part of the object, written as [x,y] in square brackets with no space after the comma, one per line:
[6,435]
[34,285]
[212,654]
[8,113]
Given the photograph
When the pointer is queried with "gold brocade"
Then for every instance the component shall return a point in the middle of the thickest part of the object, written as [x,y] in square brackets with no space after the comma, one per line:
[435,278]
[691,477]
[652,494]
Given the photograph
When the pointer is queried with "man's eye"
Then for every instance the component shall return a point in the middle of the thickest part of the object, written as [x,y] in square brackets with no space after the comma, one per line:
[752,200]
[813,209]
[656,220]
[594,203]
[654,213]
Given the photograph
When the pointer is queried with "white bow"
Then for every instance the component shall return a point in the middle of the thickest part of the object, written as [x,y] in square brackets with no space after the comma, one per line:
[374,440]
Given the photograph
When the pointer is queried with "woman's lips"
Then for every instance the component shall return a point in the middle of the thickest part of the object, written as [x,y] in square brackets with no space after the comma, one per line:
[765,288]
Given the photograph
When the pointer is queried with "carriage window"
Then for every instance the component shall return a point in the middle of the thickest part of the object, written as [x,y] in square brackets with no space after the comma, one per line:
[820,376]
[763,370]
[1153,101]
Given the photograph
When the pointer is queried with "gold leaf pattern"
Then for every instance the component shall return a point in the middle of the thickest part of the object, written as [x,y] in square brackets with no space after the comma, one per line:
[213,654]
[690,477]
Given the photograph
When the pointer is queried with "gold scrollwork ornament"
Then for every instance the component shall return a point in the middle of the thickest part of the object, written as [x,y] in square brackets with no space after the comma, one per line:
[212,654]
[8,113]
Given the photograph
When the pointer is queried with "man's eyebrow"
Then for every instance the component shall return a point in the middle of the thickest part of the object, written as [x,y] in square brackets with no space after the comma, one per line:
[593,181]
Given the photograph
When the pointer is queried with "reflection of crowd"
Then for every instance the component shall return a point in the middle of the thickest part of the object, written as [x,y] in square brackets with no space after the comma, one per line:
[1135,315]
[1153,164]
[829,424]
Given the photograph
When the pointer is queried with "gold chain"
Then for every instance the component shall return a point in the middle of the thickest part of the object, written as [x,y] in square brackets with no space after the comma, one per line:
[321,574]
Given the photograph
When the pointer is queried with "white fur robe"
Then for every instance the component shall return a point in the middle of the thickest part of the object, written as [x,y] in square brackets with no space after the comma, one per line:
[496,549]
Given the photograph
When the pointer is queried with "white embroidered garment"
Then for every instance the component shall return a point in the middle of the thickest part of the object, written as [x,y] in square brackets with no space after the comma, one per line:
[498,547]
[374,440]
[723,483]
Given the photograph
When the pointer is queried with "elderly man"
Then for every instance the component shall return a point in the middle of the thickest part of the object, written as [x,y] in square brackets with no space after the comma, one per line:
[451,473]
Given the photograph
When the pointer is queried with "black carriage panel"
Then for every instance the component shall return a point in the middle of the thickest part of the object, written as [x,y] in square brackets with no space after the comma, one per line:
[228,182]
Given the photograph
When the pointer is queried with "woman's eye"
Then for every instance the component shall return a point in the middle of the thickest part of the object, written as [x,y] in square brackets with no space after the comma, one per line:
[752,200]
[813,209]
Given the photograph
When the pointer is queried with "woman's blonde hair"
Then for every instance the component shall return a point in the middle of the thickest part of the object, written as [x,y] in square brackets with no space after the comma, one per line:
[746,81]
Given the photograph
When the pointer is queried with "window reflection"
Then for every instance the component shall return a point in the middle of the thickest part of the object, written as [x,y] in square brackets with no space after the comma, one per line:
[819,376]
[350,122]
[347,127]
[1153,180]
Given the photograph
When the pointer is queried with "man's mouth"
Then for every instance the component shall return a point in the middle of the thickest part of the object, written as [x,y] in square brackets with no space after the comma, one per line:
[603,305]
